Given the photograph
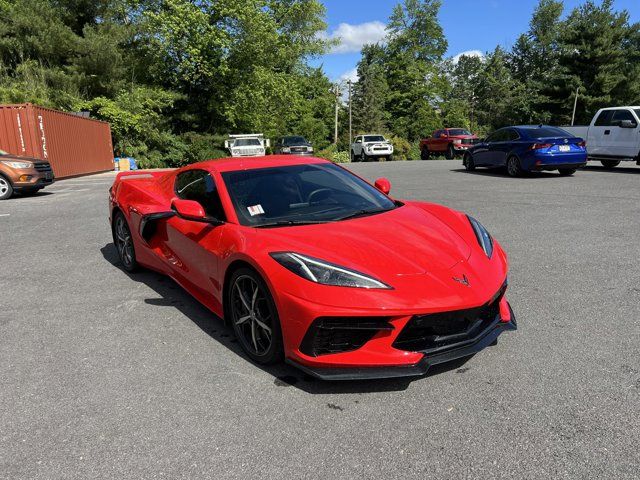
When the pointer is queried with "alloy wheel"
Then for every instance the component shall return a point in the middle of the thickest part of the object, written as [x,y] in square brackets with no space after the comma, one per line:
[252,315]
[4,187]
[513,168]
[124,243]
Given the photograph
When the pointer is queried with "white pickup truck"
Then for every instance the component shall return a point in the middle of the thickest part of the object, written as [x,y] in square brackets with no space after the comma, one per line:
[612,136]
[248,145]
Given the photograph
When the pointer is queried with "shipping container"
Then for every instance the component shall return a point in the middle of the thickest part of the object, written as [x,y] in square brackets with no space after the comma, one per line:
[74,145]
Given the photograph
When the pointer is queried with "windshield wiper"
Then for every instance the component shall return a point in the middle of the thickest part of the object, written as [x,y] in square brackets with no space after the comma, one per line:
[363,213]
[289,223]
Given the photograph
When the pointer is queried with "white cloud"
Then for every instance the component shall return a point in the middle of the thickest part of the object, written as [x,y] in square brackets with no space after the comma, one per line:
[353,37]
[468,53]
[349,75]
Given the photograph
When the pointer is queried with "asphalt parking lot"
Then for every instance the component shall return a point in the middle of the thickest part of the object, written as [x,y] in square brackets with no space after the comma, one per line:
[107,375]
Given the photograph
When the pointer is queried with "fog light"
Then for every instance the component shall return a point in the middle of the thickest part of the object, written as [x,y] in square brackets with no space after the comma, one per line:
[25,178]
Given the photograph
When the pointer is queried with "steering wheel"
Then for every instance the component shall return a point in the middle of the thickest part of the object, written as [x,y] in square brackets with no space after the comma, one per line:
[321,193]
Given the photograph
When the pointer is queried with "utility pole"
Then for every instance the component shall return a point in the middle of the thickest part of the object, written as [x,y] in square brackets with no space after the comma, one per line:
[350,135]
[335,132]
[575,104]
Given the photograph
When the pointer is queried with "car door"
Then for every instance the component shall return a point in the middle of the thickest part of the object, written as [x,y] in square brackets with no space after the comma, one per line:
[503,146]
[623,140]
[599,136]
[440,141]
[482,153]
[357,146]
[192,248]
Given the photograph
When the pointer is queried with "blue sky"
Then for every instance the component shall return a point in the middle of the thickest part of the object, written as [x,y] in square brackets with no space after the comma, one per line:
[468,25]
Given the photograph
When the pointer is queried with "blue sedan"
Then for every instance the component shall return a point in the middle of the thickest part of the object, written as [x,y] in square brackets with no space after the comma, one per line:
[527,148]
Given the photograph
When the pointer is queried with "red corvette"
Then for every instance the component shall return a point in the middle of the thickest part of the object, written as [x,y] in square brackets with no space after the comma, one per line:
[311,264]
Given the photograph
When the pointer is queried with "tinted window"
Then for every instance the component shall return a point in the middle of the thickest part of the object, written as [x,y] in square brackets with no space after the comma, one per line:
[294,141]
[247,142]
[493,137]
[619,115]
[459,131]
[637,110]
[438,133]
[374,138]
[300,193]
[512,135]
[604,119]
[199,186]
[545,132]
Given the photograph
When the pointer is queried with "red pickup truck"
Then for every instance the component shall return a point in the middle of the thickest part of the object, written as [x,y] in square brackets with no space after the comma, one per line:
[450,141]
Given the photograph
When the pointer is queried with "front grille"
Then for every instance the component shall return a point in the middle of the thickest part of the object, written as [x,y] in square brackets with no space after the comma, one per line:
[299,149]
[447,330]
[341,334]
[42,167]
[469,141]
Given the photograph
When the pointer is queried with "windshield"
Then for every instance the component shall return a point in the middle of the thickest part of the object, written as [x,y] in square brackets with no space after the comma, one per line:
[454,132]
[546,132]
[294,141]
[637,110]
[247,142]
[301,194]
[374,138]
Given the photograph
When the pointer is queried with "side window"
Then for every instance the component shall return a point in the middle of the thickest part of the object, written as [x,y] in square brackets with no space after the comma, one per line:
[619,115]
[604,119]
[512,135]
[491,137]
[199,185]
[499,136]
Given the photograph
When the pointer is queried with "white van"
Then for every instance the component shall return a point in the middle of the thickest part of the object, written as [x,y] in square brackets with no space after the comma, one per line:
[612,136]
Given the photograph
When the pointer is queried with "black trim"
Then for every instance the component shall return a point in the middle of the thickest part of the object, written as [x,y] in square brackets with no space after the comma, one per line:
[556,166]
[328,335]
[148,223]
[418,369]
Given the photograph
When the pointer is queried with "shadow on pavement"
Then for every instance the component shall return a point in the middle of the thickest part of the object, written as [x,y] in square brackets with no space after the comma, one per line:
[173,296]
[501,172]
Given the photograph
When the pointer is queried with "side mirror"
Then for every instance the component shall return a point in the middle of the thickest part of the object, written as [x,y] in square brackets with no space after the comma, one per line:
[628,124]
[192,210]
[383,185]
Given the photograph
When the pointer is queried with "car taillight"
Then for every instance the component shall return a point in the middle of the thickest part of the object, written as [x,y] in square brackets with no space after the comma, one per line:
[539,146]
[582,144]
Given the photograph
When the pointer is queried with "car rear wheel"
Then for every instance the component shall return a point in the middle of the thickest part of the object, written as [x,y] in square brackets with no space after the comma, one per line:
[450,153]
[424,154]
[610,163]
[124,243]
[6,190]
[565,172]
[353,157]
[513,167]
[468,163]
[254,317]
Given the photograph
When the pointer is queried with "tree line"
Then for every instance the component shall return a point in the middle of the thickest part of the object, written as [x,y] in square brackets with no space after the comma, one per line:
[173,77]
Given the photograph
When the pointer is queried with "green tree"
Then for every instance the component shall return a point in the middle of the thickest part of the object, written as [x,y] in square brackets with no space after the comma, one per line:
[370,92]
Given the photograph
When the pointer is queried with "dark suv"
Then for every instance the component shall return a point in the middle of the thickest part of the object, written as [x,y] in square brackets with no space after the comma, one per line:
[293,145]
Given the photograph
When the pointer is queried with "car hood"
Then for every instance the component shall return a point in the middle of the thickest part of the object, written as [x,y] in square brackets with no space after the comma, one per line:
[18,158]
[404,241]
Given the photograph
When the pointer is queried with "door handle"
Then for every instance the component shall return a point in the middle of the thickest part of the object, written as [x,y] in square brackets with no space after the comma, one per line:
[607,132]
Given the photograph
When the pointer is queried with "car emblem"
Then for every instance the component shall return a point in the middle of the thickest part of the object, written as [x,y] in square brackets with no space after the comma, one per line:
[566,140]
[464,280]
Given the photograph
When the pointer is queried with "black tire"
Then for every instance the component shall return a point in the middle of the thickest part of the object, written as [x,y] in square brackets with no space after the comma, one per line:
[610,163]
[424,154]
[450,153]
[390,158]
[468,162]
[124,243]
[353,157]
[363,157]
[254,317]
[565,172]
[6,189]
[513,167]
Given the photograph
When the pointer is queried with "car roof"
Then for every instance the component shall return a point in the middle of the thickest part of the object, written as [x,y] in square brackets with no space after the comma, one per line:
[617,108]
[231,164]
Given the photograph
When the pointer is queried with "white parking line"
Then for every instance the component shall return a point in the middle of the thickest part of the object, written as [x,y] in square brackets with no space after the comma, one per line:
[5,214]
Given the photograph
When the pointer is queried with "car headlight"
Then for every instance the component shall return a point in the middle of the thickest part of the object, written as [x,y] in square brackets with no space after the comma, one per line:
[17,164]
[310,149]
[457,141]
[325,273]
[286,150]
[483,236]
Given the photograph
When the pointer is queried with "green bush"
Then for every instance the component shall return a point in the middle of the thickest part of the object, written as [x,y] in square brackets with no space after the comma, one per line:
[401,148]
[333,154]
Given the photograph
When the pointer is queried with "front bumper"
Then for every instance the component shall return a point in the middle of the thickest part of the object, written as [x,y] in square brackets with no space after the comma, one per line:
[465,349]
[30,178]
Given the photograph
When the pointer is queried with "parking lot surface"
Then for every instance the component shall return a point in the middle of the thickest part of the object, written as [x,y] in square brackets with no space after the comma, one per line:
[110,375]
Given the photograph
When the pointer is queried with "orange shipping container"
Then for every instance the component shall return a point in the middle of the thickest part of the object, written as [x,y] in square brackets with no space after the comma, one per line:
[74,145]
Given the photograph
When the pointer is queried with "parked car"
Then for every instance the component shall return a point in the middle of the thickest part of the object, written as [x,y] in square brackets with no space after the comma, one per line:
[367,148]
[612,136]
[293,145]
[527,148]
[449,141]
[247,145]
[311,264]
[23,175]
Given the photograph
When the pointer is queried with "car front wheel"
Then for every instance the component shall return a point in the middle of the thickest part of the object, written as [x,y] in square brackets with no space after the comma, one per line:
[468,162]
[124,243]
[254,317]
[6,190]
[610,163]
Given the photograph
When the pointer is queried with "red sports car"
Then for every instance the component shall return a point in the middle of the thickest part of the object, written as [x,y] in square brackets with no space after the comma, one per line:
[311,264]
